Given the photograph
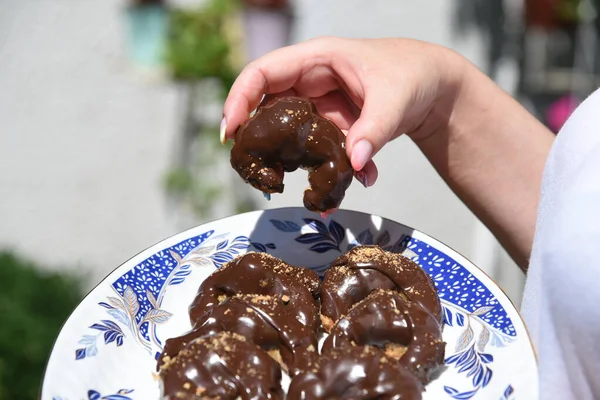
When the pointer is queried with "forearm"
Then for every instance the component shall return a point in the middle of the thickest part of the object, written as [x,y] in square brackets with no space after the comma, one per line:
[492,154]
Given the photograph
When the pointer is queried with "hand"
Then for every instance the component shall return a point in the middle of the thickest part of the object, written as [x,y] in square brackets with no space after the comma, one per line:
[483,143]
[374,89]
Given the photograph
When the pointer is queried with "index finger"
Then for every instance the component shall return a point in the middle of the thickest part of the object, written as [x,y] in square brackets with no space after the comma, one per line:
[275,72]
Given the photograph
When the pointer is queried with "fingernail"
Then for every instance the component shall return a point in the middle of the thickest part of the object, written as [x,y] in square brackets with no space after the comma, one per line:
[362,178]
[361,154]
[223,130]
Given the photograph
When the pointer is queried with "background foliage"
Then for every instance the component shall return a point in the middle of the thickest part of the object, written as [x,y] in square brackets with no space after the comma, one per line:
[203,54]
[33,307]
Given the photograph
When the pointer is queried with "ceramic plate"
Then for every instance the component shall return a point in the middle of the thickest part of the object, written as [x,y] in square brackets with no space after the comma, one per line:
[108,347]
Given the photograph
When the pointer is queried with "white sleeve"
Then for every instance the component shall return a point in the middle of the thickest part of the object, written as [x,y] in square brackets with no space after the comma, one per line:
[561,305]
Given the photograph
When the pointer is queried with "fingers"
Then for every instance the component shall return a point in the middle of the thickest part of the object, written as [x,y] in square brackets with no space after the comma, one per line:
[275,72]
[336,107]
[368,175]
[378,123]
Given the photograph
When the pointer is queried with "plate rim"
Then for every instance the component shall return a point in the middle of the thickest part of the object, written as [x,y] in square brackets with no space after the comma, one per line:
[186,232]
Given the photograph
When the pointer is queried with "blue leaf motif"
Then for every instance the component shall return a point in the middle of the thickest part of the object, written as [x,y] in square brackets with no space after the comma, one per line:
[221,257]
[337,231]
[79,354]
[259,247]
[486,358]
[316,225]
[182,273]
[270,246]
[465,395]
[119,340]
[383,239]
[323,247]
[100,327]
[238,246]
[176,281]
[487,377]
[450,390]
[105,305]
[87,340]
[285,226]
[222,245]
[472,363]
[509,390]
[110,336]
[478,377]
[112,325]
[459,395]
[365,237]
[447,317]
[91,350]
[460,319]
[464,358]
[452,359]
[116,397]
[468,365]
[93,395]
[309,238]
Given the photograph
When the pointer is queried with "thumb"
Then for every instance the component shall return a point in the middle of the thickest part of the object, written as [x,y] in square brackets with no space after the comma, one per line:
[378,123]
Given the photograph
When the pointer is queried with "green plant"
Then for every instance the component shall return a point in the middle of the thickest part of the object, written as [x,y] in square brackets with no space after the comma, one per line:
[197,47]
[570,11]
[200,56]
[33,307]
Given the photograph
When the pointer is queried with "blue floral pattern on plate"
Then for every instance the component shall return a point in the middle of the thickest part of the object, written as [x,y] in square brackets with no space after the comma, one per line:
[95,395]
[473,314]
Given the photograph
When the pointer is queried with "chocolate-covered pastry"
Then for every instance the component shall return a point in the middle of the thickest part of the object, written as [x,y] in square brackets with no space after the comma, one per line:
[407,332]
[356,373]
[224,366]
[275,325]
[286,134]
[258,273]
[363,269]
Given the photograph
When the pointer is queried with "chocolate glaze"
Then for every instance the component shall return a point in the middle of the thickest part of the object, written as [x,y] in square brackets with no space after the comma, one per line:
[356,373]
[363,269]
[286,134]
[266,321]
[258,273]
[224,366]
[386,320]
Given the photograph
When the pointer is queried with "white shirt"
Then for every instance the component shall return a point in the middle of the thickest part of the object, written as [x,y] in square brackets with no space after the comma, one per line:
[561,304]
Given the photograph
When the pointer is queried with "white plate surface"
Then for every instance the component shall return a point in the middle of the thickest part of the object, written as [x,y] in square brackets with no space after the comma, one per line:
[107,348]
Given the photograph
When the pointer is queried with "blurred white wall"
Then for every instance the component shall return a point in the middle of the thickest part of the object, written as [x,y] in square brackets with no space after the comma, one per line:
[84,142]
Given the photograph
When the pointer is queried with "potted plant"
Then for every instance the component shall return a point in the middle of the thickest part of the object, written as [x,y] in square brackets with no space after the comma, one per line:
[200,56]
[146,27]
